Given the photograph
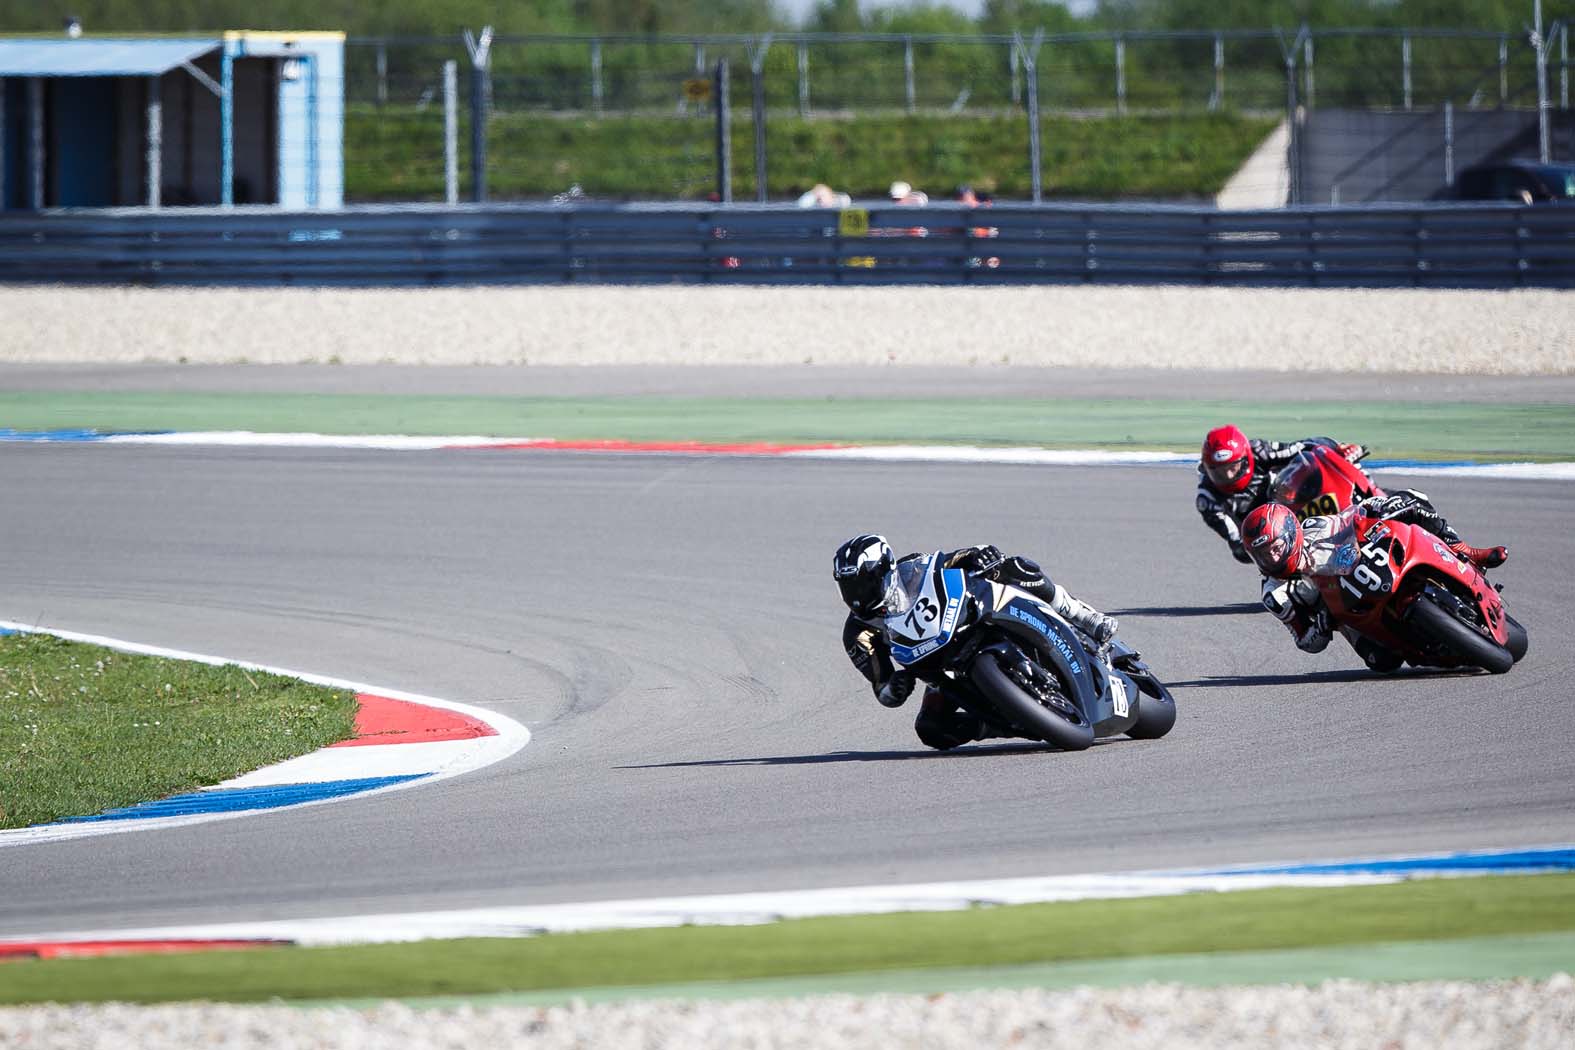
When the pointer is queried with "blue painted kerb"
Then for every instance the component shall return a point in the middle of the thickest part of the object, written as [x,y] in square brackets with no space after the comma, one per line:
[234,800]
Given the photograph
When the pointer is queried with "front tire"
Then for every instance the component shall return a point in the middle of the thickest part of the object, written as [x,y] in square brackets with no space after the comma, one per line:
[1027,714]
[1466,643]
[1516,642]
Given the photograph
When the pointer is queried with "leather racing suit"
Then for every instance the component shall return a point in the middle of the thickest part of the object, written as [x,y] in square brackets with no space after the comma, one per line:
[1224,511]
[1299,606]
[942,723]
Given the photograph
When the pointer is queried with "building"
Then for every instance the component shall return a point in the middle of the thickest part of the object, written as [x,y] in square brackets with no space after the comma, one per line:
[242,118]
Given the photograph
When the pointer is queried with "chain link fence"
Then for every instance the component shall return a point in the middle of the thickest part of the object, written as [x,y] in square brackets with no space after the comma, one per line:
[629,117]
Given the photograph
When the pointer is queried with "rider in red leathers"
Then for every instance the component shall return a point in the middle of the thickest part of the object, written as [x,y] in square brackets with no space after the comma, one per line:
[1288,552]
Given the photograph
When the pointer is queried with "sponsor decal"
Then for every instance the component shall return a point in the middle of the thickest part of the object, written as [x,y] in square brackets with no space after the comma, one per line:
[1018,612]
[949,617]
[1221,455]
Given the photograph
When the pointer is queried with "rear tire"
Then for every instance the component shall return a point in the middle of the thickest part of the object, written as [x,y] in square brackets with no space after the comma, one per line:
[1467,644]
[1517,641]
[1024,712]
[1156,709]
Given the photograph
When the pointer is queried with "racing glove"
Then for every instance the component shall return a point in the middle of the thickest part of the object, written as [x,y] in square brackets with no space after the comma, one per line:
[897,689]
[1354,453]
[1238,550]
[983,558]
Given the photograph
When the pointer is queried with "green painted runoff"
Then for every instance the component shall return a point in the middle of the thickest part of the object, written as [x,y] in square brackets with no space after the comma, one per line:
[1068,932]
[1425,430]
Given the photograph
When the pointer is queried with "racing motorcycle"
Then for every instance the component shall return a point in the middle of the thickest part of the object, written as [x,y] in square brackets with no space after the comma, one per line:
[1009,659]
[1320,480]
[1401,586]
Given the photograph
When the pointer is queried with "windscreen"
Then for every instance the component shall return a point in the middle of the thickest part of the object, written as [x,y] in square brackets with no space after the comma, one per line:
[1300,480]
[1331,550]
[905,582]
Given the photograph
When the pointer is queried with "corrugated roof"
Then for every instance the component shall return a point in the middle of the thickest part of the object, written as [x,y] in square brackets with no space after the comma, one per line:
[98,57]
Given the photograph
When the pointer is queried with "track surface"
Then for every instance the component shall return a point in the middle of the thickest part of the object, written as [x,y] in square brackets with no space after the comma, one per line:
[667,629]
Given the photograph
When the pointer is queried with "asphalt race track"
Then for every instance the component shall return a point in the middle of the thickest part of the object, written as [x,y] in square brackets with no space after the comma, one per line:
[667,628]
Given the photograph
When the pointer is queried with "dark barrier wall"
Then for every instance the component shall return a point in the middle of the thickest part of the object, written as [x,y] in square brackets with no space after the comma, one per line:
[1437,245]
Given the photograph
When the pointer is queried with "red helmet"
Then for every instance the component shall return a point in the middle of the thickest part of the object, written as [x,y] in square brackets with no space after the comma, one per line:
[1273,538]
[1227,459]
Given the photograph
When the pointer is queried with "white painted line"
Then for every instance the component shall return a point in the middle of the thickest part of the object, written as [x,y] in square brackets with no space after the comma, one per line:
[1526,471]
[742,909]
[984,454]
[440,761]
[249,439]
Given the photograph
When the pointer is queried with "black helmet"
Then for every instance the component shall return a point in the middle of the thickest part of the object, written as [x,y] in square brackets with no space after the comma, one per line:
[860,569]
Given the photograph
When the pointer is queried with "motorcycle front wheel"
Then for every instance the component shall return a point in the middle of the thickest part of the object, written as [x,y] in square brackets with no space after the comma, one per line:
[1026,713]
[1469,646]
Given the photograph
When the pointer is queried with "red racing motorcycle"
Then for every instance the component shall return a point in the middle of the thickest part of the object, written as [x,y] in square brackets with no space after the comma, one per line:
[1321,480]
[1400,585]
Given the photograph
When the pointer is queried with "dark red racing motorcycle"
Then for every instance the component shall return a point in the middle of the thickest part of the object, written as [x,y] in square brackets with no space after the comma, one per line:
[1399,585]
[1321,480]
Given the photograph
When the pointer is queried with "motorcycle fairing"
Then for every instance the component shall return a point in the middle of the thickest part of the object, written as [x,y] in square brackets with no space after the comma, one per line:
[927,602]
[1101,692]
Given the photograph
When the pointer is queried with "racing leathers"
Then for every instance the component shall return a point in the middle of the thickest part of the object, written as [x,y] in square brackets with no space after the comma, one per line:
[1297,603]
[941,723]
[1224,511]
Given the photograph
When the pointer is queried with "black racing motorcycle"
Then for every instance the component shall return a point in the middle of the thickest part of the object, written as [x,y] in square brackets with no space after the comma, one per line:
[1009,659]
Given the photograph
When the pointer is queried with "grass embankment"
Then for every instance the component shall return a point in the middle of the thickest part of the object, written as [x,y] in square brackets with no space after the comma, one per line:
[396,153]
[1439,909]
[1424,430]
[85,729]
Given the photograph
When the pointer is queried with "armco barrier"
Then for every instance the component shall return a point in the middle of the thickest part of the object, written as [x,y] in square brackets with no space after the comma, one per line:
[1425,245]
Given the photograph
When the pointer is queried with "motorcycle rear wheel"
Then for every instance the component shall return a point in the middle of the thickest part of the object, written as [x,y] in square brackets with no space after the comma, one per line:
[1025,713]
[1156,709]
[1469,646]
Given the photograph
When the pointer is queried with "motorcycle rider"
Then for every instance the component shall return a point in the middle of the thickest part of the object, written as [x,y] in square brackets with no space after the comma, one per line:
[860,567]
[1286,552]
[1234,473]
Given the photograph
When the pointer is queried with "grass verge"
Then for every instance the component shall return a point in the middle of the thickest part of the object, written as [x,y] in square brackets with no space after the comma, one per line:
[1425,430]
[395,153]
[1434,909]
[85,729]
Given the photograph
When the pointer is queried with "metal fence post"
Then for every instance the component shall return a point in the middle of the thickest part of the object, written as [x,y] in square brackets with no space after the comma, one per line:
[1217,99]
[1449,142]
[1294,144]
[596,75]
[154,156]
[480,63]
[1564,65]
[1307,58]
[699,58]
[451,132]
[382,74]
[1543,103]
[757,77]
[803,79]
[1503,70]
[1017,83]
[724,136]
[1030,58]
[5,158]
[1121,74]
[907,72]
[1405,68]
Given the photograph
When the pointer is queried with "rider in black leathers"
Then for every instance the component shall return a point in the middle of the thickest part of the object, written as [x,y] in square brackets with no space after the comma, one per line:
[1234,474]
[860,567]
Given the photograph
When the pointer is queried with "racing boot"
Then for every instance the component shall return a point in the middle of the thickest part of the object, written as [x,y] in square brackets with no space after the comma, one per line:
[1084,617]
[941,725]
[1481,557]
